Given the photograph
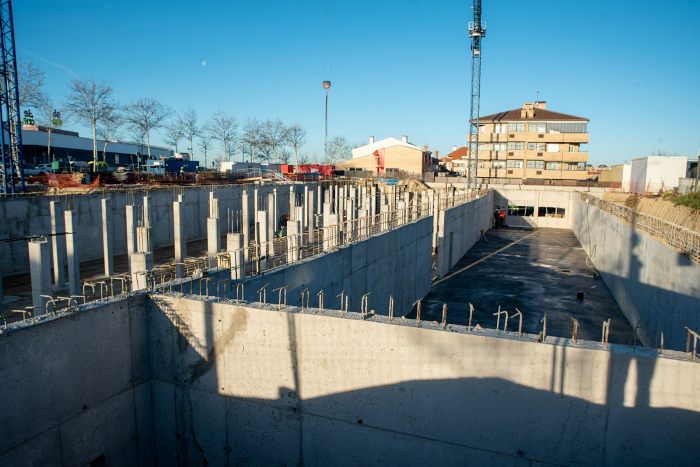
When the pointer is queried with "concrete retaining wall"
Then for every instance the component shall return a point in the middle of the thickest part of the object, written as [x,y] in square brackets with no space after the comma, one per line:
[78,388]
[459,228]
[394,263]
[655,286]
[29,215]
[251,385]
[536,198]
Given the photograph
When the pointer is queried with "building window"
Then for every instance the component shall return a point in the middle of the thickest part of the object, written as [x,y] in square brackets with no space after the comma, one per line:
[573,148]
[498,164]
[535,165]
[577,166]
[551,166]
[536,146]
[552,147]
[551,212]
[513,127]
[564,127]
[499,128]
[516,146]
[527,211]
[514,164]
[484,147]
[500,146]
[537,127]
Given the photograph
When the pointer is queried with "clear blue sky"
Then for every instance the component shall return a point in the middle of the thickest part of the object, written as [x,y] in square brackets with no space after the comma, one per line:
[398,67]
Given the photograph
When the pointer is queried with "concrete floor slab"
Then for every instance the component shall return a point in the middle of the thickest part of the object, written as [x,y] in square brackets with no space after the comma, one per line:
[536,271]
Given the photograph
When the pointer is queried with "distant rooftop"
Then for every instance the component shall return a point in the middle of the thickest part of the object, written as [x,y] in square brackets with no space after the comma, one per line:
[536,111]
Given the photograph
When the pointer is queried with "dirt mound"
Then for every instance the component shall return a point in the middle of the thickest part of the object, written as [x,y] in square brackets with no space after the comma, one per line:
[658,207]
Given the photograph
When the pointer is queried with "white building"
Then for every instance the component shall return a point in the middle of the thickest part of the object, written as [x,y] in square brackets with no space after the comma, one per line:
[656,173]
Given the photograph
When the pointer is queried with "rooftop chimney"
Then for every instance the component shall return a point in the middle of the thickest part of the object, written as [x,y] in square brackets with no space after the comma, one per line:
[528,110]
[404,139]
[371,140]
[541,105]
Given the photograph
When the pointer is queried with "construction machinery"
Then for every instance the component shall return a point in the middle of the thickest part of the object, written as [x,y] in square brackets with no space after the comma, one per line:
[11,155]
[476,32]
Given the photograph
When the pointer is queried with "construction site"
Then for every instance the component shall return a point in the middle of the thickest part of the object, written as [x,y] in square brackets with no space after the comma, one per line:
[261,319]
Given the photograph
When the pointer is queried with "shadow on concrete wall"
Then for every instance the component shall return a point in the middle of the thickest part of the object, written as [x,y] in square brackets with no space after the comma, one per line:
[417,422]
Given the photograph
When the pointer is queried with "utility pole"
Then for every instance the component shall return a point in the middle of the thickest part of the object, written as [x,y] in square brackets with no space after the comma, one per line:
[476,32]
[326,86]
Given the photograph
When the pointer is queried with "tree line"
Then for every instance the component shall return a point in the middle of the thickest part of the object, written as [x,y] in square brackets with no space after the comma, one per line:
[95,106]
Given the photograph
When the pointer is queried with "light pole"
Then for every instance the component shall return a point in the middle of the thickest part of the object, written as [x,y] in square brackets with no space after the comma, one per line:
[326,86]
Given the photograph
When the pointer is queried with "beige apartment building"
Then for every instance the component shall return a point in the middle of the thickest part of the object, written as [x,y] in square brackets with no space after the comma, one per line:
[388,157]
[532,143]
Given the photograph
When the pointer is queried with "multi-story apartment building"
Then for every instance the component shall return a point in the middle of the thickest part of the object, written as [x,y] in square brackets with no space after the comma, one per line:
[532,143]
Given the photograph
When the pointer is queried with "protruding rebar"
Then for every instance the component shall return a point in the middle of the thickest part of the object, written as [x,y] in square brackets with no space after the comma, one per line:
[606,332]
[498,318]
[262,294]
[471,315]
[574,334]
[444,315]
[391,307]
[519,314]
[695,336]
[364,304]
[544,327]
[320,299]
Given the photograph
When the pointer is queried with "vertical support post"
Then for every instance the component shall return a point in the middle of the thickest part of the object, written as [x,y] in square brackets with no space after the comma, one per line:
[147,210]
[213,231]
[234,246]
[141,261]
[245,222]
[271,221]
[107,237]
[58,243]
[293,240]
[130,229]
[72,256]
[179,235]
[40,272]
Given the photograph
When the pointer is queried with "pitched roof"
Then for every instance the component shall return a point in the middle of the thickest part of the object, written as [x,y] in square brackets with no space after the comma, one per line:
[458,153]
[368,149]
[514,115]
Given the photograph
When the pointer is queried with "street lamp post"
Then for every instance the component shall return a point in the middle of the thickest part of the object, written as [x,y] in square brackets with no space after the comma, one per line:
[326,86]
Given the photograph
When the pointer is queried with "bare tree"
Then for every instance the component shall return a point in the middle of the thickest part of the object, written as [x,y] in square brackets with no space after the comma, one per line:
[189,125]
[31,86]
[92,104]
[108,131]
[222,128]
[173,134]
[272,137]
[251,139]
[144,116]
[50,118]
[338,150]
[295,137]
[205,145]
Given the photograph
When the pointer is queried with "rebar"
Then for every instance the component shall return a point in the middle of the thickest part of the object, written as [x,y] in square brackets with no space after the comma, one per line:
[320,299]
[444,315]
[364,304]
[520,322]
[606,332]
[262,294]
[280,292]
[471,315]
[391,307]
[574,334]
[695,336]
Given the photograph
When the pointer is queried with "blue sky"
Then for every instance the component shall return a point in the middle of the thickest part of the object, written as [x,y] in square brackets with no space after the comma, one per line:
[397,67]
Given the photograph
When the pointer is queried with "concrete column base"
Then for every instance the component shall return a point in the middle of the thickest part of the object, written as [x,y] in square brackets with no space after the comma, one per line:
[40,273]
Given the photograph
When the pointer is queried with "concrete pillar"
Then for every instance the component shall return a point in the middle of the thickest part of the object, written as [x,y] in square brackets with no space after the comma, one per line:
[326,214]
[275,217]
[130,229]
[213,231]
[141,261]
[108,236]
[58,244]
[234,247]
[271,219]
[72,256]
[401,216]
[362,215]
[309,208]
[373,200]
[293,240]
[147,210]
[40,272]
[330,233]
[319,199]
[245,222]
[179,235]
[292,202]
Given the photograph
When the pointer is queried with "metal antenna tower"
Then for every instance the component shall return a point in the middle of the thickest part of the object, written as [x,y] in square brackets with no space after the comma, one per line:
[476,33]
[11,149]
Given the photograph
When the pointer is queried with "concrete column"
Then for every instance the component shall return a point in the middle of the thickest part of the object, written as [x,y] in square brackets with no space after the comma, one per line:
[40,272]
[141,261]
[373,200]
[130,229]
[384,219]
[330,233]
[213,231]
[292,202]
[319,199]
[72,256]
[262,232]
[234,247]
[326,214]
[179,235]
[293,240]
[58,243]
[309,208]
[245,222]
[363,223]
[275,217]
[271,220]
[401,212]
[147,210]
[108,237]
